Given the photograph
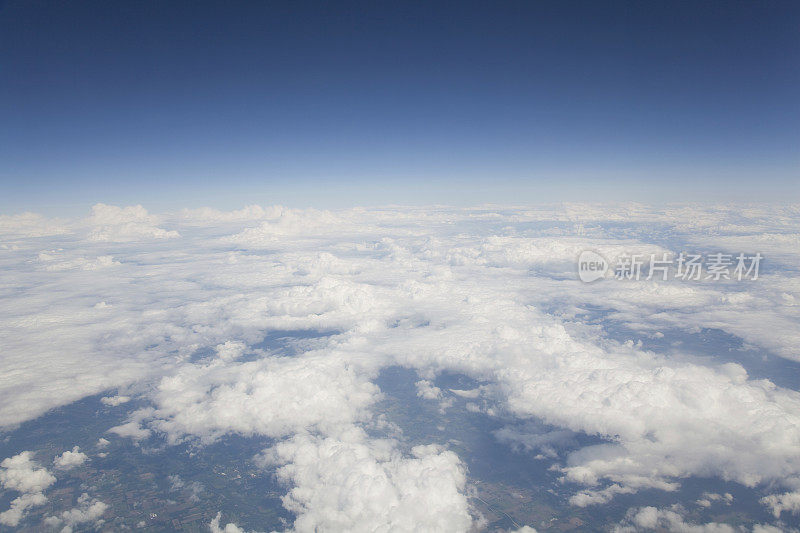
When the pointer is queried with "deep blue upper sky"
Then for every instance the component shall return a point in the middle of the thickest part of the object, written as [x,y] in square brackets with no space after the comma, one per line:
[227,103]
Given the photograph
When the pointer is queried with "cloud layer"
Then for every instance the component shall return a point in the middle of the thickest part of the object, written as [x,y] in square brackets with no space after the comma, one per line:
[173,311]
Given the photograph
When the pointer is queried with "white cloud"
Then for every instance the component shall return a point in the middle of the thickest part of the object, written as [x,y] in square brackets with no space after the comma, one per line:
[114,401]
[29,225]
[133,427]
[766,528]
[24,475]
[89,510]
[473,393]
[207,216]
[291,222]
[427,390]
[585,498]
[545,444]
[70,459]
[19,507]
[230,350]
[353,483]
[710,498]
[124,224]
[787,501]
[274,396]
[651,518]
[53,261]
[485,292]
[230,527]
[654,519]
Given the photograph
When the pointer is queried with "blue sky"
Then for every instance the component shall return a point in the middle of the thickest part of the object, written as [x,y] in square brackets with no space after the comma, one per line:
[199,103]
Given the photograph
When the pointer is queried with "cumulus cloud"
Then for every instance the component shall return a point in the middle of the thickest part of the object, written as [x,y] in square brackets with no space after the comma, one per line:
[488,293]
[230,527]
[19,507]
[427,390]
[353,483]
[231,350]
[291,222]
[208,216]
[274,396]
[710,498]
[24,475]
[651,518]
[70,459]
[29,225]
[787,501]
[88,511]
[114,401]
[123,224]
[672,519]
